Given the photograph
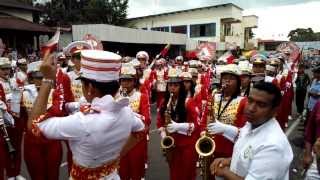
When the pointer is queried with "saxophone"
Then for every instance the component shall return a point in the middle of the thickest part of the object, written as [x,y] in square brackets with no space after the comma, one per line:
[205,145]
[167,142]
[3,130]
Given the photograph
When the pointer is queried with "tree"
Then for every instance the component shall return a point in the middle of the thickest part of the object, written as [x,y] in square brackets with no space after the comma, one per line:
[67,12]
[301,34]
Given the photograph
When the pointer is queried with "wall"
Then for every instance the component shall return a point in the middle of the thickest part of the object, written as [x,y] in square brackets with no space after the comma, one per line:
[111,33]
[203,16]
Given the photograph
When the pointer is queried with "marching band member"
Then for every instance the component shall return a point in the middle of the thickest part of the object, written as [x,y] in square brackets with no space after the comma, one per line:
[42,157]
[182,127]
[16,132]
[179,62]
[161,77]
[73,50]
[245,76]
[132,165]
[228,108]
[98,134]
[143,58]
[258,67]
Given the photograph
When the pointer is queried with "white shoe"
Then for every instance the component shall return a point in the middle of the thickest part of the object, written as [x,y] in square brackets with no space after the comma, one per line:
[11,178]
[19,177]
[145,165]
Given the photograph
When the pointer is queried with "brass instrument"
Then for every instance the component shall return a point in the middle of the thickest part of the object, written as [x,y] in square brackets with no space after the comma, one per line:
[6,137]
[167,142]
[205,145]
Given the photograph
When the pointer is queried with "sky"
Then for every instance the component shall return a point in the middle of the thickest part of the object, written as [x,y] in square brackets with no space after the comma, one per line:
[276,17]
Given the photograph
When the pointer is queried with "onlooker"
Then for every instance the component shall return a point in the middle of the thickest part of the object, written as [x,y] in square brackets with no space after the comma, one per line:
[302,82]
[314,91]
[311,134]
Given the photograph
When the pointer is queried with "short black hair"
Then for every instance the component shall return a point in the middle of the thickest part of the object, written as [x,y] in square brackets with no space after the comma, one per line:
[270,89]
[105,88]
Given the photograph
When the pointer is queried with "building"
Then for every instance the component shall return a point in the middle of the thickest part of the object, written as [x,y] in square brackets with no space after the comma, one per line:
[17,27]
[268,45]
[128,41]
[223,24]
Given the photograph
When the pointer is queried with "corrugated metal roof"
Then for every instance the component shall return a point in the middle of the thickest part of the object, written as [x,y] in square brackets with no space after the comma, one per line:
[187,10]
[21,24]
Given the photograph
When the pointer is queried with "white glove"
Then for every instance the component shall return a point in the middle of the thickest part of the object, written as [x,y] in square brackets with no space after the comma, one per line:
[162,132]
[181,128]
[228,131]
[3,106]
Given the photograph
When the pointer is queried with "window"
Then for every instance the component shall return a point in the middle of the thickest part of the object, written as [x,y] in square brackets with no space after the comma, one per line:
[162,29]
[203,30]
[227,29]
[179,29]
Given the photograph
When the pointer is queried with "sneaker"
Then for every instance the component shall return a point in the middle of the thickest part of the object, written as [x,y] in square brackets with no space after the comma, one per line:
[145,165]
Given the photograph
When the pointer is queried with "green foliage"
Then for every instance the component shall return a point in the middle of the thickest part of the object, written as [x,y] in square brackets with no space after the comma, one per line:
[301,34]
[67,12]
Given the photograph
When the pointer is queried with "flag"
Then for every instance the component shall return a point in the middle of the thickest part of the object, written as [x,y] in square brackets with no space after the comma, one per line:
[91,39]
[206,51]
[164,51]
[52,44]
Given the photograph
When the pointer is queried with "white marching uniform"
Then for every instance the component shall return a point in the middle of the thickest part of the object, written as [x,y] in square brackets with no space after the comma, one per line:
[262,153]
[95,138]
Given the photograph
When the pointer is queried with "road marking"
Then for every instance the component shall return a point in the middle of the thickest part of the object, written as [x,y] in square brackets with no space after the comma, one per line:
[63,164]
[293,126]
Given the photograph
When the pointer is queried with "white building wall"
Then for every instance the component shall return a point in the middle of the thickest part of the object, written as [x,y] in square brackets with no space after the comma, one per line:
[27,15]
[203,16]
[111,33]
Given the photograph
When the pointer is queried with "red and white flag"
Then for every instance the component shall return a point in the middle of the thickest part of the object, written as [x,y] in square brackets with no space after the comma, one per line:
[206,51]
[164,51]
[52,44]
[91,39]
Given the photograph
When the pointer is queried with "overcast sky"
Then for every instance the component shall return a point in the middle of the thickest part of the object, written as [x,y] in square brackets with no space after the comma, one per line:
[276,17]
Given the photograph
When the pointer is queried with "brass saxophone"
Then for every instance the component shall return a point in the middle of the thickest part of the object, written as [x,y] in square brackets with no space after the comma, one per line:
[3,131]
[167,142]
[205,145]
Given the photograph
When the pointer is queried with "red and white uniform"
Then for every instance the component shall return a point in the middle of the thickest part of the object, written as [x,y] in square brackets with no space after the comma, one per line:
[161,84]
[76,86]
[42,157]
[15,133]
[183,150]
[286,87]
[132,165]
[233,115]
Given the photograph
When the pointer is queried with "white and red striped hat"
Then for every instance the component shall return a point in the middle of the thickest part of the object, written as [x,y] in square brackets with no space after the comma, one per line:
[100,66]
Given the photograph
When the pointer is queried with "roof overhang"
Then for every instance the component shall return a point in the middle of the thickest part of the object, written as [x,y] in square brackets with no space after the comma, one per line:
[13,23]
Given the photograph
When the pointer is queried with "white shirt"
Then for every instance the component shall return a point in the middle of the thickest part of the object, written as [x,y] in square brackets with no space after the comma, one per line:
[263,153]
[95,138]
